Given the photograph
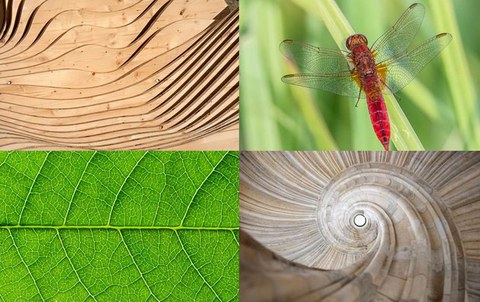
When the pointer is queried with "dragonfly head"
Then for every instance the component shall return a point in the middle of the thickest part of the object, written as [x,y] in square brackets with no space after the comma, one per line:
[355,40]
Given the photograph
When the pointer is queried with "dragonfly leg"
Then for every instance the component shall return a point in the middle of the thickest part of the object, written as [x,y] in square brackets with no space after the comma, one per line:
[396,96]
[358,99]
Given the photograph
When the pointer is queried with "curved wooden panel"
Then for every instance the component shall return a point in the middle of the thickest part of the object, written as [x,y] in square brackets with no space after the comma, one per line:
[116,74]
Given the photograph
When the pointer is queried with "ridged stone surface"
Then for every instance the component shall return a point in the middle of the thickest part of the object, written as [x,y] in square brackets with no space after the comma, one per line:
[421,241]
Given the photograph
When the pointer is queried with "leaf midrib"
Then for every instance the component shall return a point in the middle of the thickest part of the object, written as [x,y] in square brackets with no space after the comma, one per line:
[110,227]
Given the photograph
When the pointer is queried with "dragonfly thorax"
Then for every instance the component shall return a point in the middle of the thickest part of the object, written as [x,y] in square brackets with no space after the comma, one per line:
[355,40]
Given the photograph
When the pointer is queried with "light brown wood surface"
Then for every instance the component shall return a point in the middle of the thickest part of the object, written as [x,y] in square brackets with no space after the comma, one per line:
[118,74]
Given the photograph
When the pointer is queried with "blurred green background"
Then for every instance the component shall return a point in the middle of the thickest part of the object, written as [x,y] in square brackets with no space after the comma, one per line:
[441,104]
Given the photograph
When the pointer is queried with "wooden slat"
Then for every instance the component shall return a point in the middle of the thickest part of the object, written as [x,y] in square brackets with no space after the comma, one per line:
[118,75]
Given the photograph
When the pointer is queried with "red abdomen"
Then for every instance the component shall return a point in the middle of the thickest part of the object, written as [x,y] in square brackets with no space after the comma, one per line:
[371,85]
[379,117]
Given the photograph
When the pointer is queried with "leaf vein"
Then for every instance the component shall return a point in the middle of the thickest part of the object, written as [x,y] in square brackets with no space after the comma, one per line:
[76,187]
[195,267]
[31,188]
[123,184]
[138,268]
[73,267]
[26,265]
[200,186]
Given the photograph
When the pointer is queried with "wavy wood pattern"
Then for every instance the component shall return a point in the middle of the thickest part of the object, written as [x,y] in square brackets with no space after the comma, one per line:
[421,241]
[118,74]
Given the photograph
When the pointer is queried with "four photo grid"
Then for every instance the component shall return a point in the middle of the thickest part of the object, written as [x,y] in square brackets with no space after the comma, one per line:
[239,150]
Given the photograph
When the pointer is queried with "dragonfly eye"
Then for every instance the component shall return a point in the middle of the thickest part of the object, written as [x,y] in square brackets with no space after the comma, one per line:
[356,39]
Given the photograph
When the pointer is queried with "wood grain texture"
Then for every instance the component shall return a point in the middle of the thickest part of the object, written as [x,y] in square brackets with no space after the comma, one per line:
[421,241]
[118,74]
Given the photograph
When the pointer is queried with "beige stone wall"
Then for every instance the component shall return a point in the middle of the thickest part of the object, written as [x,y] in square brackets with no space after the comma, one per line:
[421,241]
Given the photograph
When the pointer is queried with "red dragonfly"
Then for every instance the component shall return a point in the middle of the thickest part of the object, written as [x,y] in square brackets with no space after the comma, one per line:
[386,67]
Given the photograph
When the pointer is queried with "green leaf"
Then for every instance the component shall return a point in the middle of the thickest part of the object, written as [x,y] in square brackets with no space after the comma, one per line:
[119,226]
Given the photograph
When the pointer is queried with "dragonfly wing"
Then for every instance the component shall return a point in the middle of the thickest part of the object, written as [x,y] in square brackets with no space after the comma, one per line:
[312,59]
[401,35]
[324,69]
[402,69]
[342,84]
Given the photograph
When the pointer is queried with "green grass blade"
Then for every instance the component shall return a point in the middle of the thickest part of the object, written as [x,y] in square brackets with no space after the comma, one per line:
[332,17]
[314,121]
[459,76]
[258,123]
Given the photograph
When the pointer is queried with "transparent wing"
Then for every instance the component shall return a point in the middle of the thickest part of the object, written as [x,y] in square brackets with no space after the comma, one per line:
[313,59]
[324,69]
[402,69]
[341,84]
[401,35]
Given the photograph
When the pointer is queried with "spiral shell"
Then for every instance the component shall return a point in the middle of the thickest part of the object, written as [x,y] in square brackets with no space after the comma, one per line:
[420,241]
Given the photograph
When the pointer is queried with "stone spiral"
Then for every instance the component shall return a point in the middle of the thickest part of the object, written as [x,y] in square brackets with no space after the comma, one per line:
[420,242]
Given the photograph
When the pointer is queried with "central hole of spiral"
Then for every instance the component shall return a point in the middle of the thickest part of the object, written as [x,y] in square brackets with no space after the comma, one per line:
[359,220]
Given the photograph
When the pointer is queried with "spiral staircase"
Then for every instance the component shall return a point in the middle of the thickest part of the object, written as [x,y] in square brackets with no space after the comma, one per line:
[360,226]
